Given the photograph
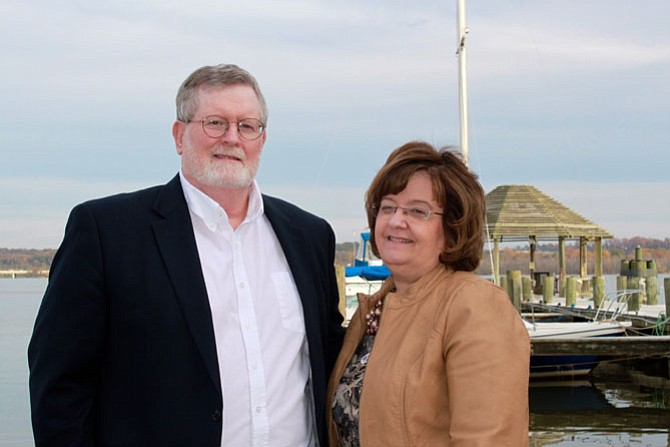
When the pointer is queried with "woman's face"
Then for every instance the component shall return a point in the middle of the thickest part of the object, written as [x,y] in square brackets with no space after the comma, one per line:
[409,245]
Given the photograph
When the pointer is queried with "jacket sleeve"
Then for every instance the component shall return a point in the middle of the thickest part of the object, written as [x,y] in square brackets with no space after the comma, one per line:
[335,318]
[64,353]
[487,355]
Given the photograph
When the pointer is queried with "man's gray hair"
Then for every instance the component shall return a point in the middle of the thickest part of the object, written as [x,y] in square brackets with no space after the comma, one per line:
[211,76]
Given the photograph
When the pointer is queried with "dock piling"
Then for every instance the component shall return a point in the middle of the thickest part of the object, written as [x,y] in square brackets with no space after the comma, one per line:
[571,291]
[598,291]
[548,289]
[666,287]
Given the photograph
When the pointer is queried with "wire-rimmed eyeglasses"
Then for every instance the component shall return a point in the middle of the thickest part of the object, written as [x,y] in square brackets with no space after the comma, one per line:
[416,213]
[215,126]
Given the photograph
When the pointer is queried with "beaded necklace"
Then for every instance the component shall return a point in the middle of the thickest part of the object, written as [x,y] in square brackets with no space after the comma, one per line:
[373,316]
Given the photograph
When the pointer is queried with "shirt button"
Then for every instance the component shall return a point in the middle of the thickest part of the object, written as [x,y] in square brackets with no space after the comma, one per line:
[216,415]
[259,409]
[241,285]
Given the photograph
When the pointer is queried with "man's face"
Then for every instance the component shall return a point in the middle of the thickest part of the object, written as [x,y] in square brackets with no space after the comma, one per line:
[229,161]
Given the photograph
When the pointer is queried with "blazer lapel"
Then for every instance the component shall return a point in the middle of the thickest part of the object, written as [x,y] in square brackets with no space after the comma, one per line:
[176,242]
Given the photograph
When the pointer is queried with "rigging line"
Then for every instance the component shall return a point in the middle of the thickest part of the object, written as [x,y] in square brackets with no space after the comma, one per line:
[472,125]
[475,150]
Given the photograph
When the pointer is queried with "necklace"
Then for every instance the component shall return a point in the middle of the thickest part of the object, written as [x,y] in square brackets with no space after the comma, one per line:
[373,316]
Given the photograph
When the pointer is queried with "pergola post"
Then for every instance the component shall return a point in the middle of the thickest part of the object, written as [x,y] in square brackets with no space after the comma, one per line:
[582,257]
[531,264]
[561,257]
[598,249]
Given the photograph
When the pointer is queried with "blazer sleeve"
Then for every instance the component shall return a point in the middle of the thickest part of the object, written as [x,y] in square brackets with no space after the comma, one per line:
[64,353]
[335,318]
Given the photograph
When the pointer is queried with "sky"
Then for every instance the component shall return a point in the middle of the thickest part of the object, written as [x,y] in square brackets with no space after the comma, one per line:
[572,97]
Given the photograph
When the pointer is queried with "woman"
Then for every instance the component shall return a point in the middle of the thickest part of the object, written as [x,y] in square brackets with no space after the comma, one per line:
[439,356]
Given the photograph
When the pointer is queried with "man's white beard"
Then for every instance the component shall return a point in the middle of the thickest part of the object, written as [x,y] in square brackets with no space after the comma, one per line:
[229,175]
[221,174]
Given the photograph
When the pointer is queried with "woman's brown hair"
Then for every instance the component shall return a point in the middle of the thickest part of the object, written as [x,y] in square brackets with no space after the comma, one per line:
[455,188]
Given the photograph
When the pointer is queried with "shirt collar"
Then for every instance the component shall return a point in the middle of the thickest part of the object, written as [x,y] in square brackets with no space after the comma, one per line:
[211,213]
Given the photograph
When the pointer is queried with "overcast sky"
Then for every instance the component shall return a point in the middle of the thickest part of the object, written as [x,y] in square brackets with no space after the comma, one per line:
[572,97]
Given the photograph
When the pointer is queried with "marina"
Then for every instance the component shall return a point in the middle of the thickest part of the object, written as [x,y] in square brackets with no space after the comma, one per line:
[570,334]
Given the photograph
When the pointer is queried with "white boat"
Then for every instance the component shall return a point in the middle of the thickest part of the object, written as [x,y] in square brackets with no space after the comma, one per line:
[557,366]
[576,329]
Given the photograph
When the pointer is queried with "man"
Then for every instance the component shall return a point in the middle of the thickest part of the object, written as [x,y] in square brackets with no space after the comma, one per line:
[197,313]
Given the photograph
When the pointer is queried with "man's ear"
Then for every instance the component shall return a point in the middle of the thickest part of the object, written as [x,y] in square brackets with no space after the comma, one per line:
[178,129]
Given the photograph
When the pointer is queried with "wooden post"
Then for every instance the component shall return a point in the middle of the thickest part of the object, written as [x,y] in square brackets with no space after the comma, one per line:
[621,283]
[652,290]
[531,264]
[503,284]
[527,289]
[571,291]
[548,289]
[652,283]
[598,249]
[635,298]
[582,257]
[666,287]
[586,287]
[562,285]
[639,268]
[561,262]
[651,267]
[598,291]
[342,289]
[514,287]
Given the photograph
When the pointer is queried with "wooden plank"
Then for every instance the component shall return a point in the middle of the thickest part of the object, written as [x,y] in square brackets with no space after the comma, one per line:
[611,346]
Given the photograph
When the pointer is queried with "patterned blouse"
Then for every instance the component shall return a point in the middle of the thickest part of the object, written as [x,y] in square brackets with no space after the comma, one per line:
[346,403]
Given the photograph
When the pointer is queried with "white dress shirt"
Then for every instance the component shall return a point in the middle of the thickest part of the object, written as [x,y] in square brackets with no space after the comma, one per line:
[258,326]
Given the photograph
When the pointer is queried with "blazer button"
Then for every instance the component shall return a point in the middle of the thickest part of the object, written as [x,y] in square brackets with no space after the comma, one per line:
[216,415]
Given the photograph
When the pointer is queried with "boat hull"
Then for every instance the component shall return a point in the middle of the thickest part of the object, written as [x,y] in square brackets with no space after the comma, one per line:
[568,366]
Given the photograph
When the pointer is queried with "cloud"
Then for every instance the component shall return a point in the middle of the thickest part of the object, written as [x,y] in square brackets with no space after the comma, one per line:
[567,92]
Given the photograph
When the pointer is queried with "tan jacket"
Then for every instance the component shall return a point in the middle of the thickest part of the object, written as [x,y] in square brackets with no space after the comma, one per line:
[449,366]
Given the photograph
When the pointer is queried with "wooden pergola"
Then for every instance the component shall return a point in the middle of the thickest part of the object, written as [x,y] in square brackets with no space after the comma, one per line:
[522,212]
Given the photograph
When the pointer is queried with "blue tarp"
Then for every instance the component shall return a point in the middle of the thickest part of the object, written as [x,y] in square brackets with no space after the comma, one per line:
[369,272]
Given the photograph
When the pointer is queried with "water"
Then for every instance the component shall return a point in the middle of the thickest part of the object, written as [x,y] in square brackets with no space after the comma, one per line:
[19,301]
[570,414]
[599,413]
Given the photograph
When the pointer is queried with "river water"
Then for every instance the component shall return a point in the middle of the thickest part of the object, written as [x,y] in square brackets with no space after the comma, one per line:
[603,412]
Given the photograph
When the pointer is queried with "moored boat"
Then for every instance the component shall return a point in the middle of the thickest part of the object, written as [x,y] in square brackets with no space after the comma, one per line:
[556,366]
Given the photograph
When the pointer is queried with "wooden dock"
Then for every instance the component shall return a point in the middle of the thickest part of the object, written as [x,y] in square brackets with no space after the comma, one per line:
[625,346]
[651,321]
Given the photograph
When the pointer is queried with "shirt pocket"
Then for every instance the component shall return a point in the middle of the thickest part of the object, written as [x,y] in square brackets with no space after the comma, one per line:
[290,306]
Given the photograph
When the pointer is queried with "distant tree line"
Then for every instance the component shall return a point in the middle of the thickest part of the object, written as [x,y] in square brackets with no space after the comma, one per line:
[511,258]
[26,259]
[546,256]
[614,251]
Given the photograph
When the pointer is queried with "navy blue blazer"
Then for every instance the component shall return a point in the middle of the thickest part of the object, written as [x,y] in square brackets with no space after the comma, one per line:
[123,350]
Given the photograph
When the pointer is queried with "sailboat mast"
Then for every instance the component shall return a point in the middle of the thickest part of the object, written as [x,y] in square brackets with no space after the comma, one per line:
[462,30]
